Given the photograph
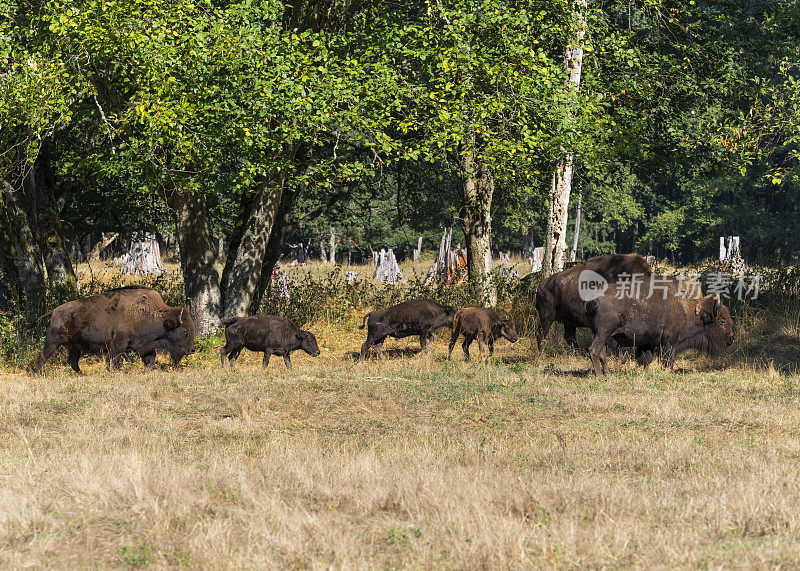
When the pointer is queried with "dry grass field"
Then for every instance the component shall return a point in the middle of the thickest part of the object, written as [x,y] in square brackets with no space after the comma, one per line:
[416,462]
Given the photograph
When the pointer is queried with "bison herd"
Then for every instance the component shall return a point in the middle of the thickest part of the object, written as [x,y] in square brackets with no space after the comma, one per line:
[135,320]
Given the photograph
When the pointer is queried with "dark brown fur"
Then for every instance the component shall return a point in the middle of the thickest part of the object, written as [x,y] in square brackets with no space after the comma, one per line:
[117,321]
[416,317]
[268,333]
[557,298]
[482,324]
[657,325]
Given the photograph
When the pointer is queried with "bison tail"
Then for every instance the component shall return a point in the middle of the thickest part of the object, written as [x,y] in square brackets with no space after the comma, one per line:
[365,320]
[35,323]
[229,321]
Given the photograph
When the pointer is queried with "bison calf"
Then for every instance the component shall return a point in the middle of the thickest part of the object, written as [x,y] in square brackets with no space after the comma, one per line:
[481,324]
[416,317]
[268,333]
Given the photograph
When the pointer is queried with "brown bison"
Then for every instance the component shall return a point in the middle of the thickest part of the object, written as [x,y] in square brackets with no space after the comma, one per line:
[126,319]
[558,299]
[268,333]
[416,317]
[481,324]
[667,323]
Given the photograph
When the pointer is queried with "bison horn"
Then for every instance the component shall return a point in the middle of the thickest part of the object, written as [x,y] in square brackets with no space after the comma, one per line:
[180,316]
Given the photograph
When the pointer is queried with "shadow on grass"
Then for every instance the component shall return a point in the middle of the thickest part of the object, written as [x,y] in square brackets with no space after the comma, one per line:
[391,353]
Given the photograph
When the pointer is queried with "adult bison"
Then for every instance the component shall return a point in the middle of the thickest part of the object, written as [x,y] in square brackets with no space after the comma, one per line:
[125,319]
[558,298]
[667,322]
[268,333]
[416,317]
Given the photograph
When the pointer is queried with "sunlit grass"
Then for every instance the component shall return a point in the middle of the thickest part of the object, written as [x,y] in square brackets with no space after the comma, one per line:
[416,462]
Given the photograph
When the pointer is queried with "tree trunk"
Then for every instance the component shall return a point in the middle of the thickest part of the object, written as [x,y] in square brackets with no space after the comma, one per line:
[198,260]
[274,247]
[332,250]
[562,176]
[27,254]
[478,189]
[245,262]
[9,281]
[574,252]
[60,273]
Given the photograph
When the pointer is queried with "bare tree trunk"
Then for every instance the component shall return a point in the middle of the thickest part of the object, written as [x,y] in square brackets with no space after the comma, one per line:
[562,175]
[478,189]
[574,252]
[332,251]
[198,260]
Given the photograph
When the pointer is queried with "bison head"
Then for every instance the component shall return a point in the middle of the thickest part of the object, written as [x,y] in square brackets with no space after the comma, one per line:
[308,343]
[180,333]
[717,324]
[505,329]
[449,314]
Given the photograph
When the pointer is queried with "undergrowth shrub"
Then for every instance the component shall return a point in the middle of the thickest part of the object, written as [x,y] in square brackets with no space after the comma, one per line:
[332,299]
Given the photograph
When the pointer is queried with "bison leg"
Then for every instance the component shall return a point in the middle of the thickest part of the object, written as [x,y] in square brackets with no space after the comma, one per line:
[468,339]
[267,355]
[482,347]
[668,356]
[545,322]
[223,352]
[570,337]
[597,351]
[117,352]
[364,348]
[490,343]
[379,347]
[47,351]
[232,356]
[453,340]
[149,360]
[73,357]
[644,356]
[287,359]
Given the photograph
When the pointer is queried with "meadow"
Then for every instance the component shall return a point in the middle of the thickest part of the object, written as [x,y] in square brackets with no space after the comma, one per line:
[529,461]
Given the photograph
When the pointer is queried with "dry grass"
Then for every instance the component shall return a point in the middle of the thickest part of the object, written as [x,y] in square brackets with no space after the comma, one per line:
[415,462]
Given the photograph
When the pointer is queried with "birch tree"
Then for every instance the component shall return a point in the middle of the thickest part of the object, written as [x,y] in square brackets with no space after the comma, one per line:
[561,182]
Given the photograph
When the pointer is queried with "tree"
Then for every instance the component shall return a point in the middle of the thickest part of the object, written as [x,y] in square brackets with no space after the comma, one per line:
[481,79]
[561,186]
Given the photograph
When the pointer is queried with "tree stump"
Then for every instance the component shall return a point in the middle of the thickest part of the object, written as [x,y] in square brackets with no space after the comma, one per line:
[415,255]
[450,265]
[143,257]
[537,259]
[279,284]
[730,255]
[387,270]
